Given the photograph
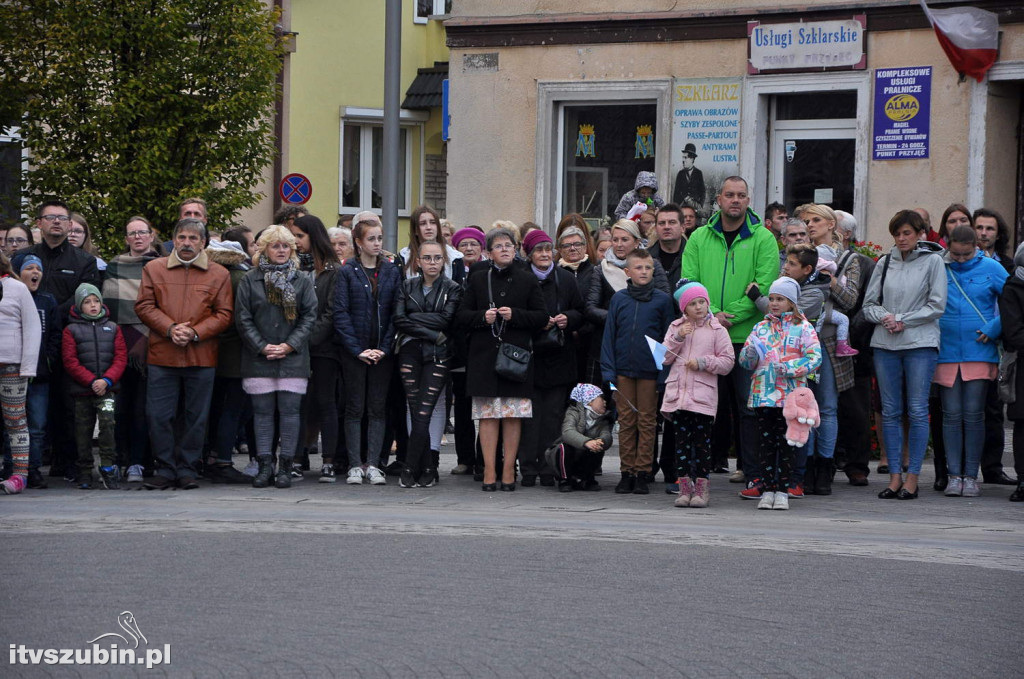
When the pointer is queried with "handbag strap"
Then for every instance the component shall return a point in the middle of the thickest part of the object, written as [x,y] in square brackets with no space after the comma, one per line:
[498,327]
[963,292]
[881,287]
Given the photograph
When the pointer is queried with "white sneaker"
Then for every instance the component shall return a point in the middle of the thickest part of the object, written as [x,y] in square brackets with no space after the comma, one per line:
[768,500]
[252,469]
[355,476]
[375,476]
[135,473]
[971,487]
[955,486]
[781,501]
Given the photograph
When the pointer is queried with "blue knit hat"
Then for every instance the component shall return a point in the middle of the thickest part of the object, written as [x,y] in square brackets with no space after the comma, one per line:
[19,262]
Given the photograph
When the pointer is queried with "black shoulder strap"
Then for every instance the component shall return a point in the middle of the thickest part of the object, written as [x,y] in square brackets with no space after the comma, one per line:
[881,287]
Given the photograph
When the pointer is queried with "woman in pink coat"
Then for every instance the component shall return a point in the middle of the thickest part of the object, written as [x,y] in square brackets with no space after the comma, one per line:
[699,350]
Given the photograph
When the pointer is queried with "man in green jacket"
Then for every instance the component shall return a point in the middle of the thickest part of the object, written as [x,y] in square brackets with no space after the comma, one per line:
[731,251]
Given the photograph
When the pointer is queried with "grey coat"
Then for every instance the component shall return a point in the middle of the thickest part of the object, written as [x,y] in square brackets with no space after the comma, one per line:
[575,434]
[261,323]
[915,293]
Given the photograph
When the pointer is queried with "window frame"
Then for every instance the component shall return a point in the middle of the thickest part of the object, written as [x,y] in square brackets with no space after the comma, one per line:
[12,135]
[437,10]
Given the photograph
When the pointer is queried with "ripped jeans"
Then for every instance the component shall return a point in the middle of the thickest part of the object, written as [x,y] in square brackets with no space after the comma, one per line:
[424,381]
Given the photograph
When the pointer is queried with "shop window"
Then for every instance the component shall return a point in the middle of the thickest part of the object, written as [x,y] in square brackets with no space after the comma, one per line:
[604,147]
[362,163]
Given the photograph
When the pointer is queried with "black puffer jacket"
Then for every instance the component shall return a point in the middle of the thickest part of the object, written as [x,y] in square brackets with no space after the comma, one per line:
[323,341]
[93,350]
[428,318]
[1011,310]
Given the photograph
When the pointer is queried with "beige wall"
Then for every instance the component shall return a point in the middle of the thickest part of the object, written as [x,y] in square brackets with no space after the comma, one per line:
[511,8]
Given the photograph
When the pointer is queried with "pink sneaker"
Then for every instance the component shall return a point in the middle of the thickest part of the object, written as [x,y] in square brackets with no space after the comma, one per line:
[701,496]
[843,348]
[13,485]
[685,491]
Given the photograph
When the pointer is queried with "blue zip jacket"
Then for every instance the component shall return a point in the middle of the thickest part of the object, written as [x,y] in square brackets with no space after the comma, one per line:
[624,350]
[355,309]
[982,278]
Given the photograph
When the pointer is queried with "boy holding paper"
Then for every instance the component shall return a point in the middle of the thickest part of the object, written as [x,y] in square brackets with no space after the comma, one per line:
[638,311]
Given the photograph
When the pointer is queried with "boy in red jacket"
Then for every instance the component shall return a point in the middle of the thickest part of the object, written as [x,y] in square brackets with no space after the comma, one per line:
[94,356]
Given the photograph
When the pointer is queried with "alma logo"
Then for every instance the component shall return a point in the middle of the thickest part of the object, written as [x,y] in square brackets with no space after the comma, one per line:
[902,107]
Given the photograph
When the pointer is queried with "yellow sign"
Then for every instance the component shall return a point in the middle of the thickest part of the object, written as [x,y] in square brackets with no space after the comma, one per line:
[585,142]
[644,145]
[902,107]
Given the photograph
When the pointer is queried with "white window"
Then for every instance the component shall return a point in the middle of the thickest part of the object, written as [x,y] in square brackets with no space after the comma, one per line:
[362,159]
[424,9]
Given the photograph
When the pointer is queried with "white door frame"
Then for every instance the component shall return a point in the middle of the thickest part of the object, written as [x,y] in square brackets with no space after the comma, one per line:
[756,121]
[784,130]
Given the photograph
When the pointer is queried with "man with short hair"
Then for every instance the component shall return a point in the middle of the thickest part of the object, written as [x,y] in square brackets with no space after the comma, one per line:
[186,301]
[933,235]
[774,215]
[193,208]
[688,215]
[65,267]
[668,249]
[792,231]
[732,250]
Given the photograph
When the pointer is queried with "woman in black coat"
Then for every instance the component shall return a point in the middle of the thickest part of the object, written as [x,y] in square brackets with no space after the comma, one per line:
[1011,310]
[574,251]
[554,355]
[423,318]
[502,303]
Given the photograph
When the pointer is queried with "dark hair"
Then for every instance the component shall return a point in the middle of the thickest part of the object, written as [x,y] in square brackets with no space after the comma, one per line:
[359,232]
[772,209]
[577,220]
[51,203]
[500,232]
[156,246]
[525,228]
[236,234]
[1002,228]
[907,218]
[805,253]
[639,253]
[6,268]
[319,242]
[190,224]
[955,207]
[672,207]
[414,236]
[964,235]
[287,212]
[27,230]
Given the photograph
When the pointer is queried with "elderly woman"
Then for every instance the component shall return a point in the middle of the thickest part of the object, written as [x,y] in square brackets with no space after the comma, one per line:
[555,355]
[836,372]
[576,253]
[1011,311]
[275,309]
[341,241]
[968,355]
[905,298]
[502,304]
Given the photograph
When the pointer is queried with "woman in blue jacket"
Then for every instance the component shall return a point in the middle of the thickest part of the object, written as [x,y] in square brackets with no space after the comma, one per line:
[364,300]
[968,356]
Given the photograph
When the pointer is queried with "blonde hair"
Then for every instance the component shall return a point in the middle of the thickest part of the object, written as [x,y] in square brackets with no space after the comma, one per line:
[275,233]
[823,211]
[511,226]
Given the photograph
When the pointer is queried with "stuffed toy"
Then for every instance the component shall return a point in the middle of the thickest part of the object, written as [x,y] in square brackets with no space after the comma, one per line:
[801,413]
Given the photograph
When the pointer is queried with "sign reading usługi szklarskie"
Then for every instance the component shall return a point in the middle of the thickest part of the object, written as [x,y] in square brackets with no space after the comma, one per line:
[804,46]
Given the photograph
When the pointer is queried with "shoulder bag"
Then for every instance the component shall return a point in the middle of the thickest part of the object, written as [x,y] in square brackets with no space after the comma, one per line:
[554,337]
[513,362]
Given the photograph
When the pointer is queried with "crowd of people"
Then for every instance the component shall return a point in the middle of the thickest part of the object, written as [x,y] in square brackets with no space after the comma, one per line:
[528,349]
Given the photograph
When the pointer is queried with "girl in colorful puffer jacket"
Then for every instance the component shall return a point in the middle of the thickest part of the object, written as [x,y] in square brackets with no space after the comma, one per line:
[782,350]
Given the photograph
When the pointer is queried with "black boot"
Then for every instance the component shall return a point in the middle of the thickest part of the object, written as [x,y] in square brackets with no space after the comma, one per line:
[266,470]
[811,475]
[627,484]
[284,472]
[1018,494]
[823,477]
[435,457]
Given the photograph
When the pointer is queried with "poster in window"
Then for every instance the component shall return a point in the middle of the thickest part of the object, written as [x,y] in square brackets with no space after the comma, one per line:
[705,139]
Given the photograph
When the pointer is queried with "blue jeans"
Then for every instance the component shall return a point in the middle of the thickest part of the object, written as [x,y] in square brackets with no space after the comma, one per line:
[963,425]
[162,393]
[37,403]
[917,367]
[823,439]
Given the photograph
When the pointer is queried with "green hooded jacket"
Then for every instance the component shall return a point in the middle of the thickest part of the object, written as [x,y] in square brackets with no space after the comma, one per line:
[727,271]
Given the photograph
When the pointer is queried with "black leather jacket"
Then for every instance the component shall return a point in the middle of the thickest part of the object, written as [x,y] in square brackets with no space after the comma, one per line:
[427,318]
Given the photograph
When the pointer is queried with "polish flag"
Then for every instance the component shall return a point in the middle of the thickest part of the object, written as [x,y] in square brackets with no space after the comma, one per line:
[969,36]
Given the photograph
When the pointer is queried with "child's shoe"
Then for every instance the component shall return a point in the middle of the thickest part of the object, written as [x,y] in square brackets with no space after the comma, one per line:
[843,348]
[753,490]
[110,477]
[13,485]
[796,490]
[767,500]
[781,501]
[84,481]
[685,491]
[702,494]
[135,473]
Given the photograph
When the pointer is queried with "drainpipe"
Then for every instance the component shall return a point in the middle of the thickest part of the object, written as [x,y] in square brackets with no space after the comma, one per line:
[390,181]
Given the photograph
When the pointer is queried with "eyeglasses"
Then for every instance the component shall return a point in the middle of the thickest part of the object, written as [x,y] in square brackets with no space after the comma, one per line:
[77,232]
[572,246]
[431,259]
[138,234]
[16,241]
[56,218]
[503,246]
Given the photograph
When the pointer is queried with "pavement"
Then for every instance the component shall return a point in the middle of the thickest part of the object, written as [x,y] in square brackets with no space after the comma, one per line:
[333,580]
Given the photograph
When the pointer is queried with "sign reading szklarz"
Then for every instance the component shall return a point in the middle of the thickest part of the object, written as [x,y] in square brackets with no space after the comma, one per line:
[902,119]
[808,46]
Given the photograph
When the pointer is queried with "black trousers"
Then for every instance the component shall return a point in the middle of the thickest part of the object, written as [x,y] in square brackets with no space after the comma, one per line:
[543,429]
[424,382]
[465,431]
[776,455]
[854,417]
[322,398]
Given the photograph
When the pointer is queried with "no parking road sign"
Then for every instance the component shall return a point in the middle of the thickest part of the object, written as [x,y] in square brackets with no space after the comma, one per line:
[295,189]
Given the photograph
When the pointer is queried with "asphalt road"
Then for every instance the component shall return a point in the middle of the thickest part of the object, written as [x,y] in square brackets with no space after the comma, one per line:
[328,581]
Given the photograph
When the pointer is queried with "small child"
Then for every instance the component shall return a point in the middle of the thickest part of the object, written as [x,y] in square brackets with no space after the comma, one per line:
[94,357]
[645,190]
[699,349]
[781,350]
[636,312]
[586,433]
[827,262]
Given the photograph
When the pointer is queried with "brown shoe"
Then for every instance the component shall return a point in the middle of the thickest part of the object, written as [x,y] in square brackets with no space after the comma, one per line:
[857,478]
[187,483]
[157,482]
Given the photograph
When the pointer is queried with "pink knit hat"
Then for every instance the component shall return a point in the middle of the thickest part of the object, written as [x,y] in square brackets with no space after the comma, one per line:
[687,292]
[468,232]
[534,238]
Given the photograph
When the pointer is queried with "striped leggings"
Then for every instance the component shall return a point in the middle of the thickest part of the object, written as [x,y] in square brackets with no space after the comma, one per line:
[13,388]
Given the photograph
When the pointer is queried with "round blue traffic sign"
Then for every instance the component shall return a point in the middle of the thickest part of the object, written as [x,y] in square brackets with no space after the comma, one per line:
[295,189]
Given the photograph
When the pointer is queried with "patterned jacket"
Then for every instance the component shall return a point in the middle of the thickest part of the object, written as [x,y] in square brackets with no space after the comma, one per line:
[776,348]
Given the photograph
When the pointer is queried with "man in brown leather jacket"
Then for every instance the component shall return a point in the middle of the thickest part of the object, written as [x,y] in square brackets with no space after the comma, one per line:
[186,302]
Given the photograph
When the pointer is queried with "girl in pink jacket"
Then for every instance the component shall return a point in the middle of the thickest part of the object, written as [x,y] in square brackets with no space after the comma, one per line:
[699,350]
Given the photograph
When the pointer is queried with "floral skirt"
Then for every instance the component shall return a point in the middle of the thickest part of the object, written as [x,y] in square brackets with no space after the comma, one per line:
[498,408]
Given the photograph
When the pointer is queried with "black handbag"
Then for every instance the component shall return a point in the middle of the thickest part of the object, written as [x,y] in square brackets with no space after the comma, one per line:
[513,362]
[554,337]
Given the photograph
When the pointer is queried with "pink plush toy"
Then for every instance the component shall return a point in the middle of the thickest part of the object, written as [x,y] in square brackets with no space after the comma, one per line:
[801,413]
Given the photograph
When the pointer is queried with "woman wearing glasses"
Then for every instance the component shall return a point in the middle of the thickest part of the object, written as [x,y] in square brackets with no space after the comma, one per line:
[79,236]
[18,237]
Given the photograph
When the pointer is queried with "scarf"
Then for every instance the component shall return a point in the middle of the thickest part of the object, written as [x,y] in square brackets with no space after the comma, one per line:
[306,262]
[641,293]
[613,269]
[542,274]
[277,278]
[571,266]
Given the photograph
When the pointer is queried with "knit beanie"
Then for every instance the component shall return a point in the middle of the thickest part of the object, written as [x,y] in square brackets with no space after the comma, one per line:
[85,290]
[585,393]
[686,291]
[468,232]
[787,287]
[19,262]
[535,238]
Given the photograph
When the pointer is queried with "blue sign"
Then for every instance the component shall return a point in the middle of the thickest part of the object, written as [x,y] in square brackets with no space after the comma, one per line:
[444,109]
[295,189]
[903,103]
